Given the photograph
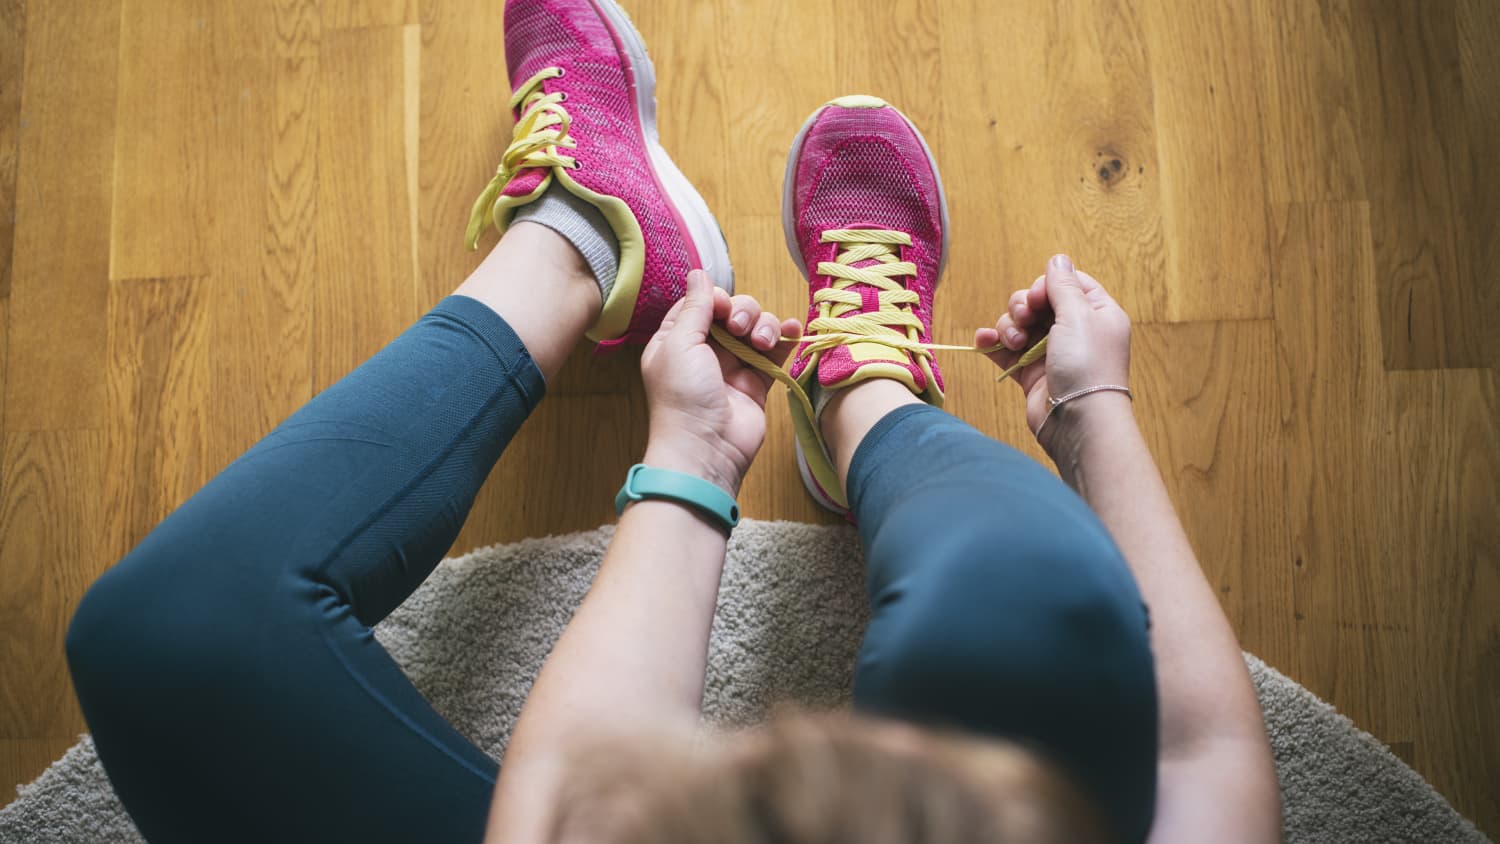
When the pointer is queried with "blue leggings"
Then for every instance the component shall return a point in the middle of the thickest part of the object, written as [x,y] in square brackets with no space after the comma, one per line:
[235,692]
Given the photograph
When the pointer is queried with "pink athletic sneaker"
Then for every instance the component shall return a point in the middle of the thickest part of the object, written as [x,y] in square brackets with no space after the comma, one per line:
[585,110]
[867,222]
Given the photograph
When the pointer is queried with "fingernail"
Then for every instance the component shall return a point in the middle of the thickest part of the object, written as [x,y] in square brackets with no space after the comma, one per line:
[766,335]
[1014,337]
[740,321]
[1062,262]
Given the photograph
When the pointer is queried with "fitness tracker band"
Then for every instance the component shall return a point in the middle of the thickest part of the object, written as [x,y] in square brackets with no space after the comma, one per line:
[642,482]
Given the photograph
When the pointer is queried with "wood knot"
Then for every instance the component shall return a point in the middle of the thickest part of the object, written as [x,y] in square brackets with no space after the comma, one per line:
[1109,167]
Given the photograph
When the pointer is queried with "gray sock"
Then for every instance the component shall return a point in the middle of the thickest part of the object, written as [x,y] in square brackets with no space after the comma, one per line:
[584,227]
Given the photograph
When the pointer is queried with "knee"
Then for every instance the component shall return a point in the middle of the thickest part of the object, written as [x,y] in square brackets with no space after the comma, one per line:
[985,618]
[144,629]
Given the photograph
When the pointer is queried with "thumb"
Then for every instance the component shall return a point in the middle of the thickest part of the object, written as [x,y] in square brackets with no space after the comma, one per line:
[697,311]
[1064,290]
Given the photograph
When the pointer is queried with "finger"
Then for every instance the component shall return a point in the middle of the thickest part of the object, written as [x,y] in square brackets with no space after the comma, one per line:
[697,309]
[1036,295]
[1002,357]
[722,304]
[791,329]
[738,376]
[767,330]
[1014,338]
[743,314]
[1064,292]
[1020,312]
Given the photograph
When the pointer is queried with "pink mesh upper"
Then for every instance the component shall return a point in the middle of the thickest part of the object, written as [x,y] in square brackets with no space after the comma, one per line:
[866,168]
[571,34]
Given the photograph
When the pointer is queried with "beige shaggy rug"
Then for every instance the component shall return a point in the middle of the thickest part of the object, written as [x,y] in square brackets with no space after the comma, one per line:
[790,618]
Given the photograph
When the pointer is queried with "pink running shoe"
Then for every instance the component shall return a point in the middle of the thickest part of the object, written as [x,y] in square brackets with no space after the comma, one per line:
[867,222]
[585,112]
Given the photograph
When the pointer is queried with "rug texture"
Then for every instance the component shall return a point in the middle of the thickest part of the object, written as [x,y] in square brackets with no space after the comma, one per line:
[790,617]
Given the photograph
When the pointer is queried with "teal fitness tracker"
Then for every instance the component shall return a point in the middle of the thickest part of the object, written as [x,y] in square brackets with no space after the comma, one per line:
[642,481]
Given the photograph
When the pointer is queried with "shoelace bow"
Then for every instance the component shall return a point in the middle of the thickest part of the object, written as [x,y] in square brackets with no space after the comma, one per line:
[542,128]
[831,328]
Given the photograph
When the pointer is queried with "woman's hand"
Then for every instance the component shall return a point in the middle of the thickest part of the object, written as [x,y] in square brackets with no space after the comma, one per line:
[708,410]
[1088,342]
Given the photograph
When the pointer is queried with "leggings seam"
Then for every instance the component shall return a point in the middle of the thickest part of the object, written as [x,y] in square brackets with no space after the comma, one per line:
[425,471]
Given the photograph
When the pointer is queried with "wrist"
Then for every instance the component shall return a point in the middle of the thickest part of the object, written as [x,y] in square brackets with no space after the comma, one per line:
[693,459]
[1080,424]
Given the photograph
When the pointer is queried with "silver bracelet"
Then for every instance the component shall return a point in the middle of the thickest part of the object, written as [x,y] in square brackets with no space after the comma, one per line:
[1054,402]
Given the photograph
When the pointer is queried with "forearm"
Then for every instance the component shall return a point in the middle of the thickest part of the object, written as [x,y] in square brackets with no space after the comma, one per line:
[1208,705]
[631,661]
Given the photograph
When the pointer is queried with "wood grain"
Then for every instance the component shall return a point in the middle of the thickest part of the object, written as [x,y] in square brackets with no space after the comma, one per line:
[1056,142]
[49,485]
[161,392]
[1304,65]
[284,185]
[21,759]
[465,127]
[366,257]
[267,308]
[1206,115]
[1478,23]
[1406,58]
[60,265]
[12,64]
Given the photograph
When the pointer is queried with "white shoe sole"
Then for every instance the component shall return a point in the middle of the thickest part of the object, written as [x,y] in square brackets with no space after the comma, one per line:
[703,228]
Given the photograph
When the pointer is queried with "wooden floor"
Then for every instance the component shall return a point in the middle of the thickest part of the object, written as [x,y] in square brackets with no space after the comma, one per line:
[210,211]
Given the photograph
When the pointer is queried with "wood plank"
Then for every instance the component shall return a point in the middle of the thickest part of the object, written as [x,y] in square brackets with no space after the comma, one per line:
[22,760]
[1439,435]
[62,195]
[1058,147]
[366,290]
[1207,399]
[1328,350]
[163,192]
[161,420]
[894,55]
[350,14]
[1390,485]
[262,326]
[1478,23]
[464,127]
[1310,141]
[49,486]
[1207,118]
[12,66]
[771,83]
[1416,159]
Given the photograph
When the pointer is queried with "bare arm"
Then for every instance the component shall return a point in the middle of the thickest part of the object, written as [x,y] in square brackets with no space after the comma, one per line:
[1216,777]
[631,662]
[1217,781]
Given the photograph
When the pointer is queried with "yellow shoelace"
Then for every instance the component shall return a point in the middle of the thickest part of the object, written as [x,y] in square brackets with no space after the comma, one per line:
[541,129]
[831,328]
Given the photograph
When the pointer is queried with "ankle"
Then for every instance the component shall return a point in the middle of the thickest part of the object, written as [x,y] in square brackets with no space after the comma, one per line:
[540,285]
[852,411]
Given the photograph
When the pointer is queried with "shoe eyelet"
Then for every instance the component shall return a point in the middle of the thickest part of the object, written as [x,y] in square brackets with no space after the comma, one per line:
[562,96]
[561,72]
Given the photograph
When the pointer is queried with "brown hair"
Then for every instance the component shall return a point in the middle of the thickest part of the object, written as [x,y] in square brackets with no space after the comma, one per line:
[822,779]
